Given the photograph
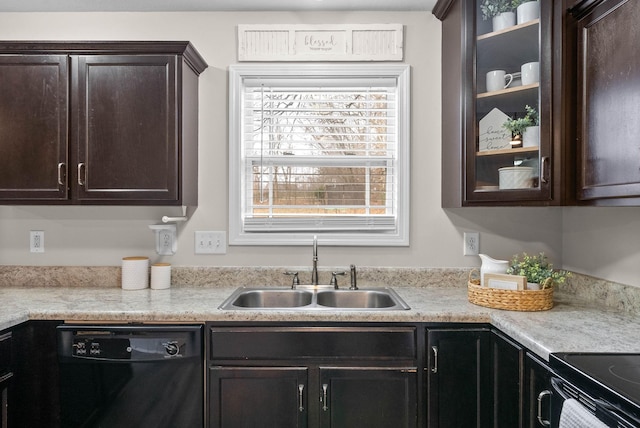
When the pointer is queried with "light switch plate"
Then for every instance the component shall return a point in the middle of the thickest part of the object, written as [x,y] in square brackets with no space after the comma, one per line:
[210,242]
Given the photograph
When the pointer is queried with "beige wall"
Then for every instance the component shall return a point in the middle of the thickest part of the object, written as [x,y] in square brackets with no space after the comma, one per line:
[603,242]
[101,236]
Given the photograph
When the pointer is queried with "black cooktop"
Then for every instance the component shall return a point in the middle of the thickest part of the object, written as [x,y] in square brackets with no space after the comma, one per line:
[616,375]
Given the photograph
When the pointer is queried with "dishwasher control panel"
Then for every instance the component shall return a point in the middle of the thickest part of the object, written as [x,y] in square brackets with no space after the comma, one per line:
[118,343]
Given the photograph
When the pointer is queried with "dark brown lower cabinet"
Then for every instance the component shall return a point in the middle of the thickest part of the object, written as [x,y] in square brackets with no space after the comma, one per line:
[258,397]
[34,392]
[372,397]
[536,396]
[508,386]
[342,397]
[315,376]
[459,387]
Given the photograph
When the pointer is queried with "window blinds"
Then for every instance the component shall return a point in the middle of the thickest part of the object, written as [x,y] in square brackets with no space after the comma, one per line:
[319,154]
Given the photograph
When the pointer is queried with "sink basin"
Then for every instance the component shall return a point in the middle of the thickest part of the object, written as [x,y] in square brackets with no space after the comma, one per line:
[313,298]
[362,299]
[265,298]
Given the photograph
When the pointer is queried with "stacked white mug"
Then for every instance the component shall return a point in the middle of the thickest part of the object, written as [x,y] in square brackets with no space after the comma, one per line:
[530,73]
[498,79]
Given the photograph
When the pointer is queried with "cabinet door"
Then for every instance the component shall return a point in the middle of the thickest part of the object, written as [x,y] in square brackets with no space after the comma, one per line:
[249,397]
[484,163]
[608,100]
[33,127]
[372,397]
[537,393]
[6,376]
[508,360]
[34,394]
[126,128]
[459,378]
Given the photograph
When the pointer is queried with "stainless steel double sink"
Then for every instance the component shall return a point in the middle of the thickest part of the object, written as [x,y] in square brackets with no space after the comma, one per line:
[314,298]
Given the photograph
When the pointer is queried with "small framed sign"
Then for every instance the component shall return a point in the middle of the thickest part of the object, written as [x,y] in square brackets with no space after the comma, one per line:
[492,135]
[505,282]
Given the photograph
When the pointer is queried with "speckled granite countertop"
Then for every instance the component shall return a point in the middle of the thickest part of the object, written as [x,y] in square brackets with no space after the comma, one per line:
[572,325]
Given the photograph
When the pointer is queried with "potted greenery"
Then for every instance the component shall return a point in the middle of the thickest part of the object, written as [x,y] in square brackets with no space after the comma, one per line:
[500,11]
[526,128]
[538,271]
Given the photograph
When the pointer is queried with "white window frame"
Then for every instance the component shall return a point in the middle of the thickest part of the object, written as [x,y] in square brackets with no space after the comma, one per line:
[399,236]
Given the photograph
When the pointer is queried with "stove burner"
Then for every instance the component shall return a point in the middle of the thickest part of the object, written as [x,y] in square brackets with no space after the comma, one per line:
[626,372]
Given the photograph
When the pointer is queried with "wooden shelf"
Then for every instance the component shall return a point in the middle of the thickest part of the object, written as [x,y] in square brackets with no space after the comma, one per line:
[508,91]
[506,152]
[515,28]
[510,100]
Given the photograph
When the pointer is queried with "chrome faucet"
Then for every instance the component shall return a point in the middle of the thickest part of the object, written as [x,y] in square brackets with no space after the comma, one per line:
[314,272]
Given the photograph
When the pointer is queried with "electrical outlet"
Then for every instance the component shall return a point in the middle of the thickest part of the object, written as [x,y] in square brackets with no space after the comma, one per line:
[165,242]
[210,242]
[471,243]
[36,241]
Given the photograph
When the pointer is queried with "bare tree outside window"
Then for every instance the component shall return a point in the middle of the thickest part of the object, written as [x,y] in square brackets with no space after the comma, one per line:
[313,152]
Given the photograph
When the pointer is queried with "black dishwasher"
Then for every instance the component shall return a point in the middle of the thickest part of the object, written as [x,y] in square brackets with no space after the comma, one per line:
[142,376]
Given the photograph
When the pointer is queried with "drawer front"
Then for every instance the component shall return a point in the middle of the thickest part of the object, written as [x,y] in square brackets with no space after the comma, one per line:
[378,343]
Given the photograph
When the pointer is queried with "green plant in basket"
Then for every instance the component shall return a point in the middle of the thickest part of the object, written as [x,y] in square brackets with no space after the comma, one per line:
[491,8]
[537,269]
[516,3]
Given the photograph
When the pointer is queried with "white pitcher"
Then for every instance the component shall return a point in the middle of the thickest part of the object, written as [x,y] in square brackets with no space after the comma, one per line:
[490,265]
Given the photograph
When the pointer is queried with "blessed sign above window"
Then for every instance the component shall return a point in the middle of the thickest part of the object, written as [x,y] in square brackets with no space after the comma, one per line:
[366,42]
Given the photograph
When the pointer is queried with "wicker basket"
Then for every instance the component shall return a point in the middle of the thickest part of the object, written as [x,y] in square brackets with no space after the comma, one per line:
[511,300]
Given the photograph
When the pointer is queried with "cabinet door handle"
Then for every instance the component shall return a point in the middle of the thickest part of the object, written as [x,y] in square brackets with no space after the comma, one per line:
[62,173]
[81,170]
[541,396]
[434,369]
[544,167]
[300,395]
[323,399]
[6,377]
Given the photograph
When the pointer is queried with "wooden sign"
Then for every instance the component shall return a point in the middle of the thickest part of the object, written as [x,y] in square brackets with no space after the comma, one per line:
[505,282]
[492,135]
[353,42]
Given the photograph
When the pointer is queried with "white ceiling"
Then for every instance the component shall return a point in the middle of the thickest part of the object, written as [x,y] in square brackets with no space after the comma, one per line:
[211,5]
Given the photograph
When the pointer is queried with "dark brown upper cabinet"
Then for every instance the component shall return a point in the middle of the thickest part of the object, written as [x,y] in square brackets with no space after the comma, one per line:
[480,165]
[608,101]
[99,123]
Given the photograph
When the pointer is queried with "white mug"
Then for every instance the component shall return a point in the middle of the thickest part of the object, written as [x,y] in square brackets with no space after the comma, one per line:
[530,73]
[528,11]
[498,79]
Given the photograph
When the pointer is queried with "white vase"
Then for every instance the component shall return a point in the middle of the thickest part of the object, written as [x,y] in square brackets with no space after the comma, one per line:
[528,11]
[531,136]
[504,20]
[491,265]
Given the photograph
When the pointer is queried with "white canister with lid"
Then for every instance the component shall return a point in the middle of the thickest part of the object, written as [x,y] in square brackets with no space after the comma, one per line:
[135,273]
[160,276]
